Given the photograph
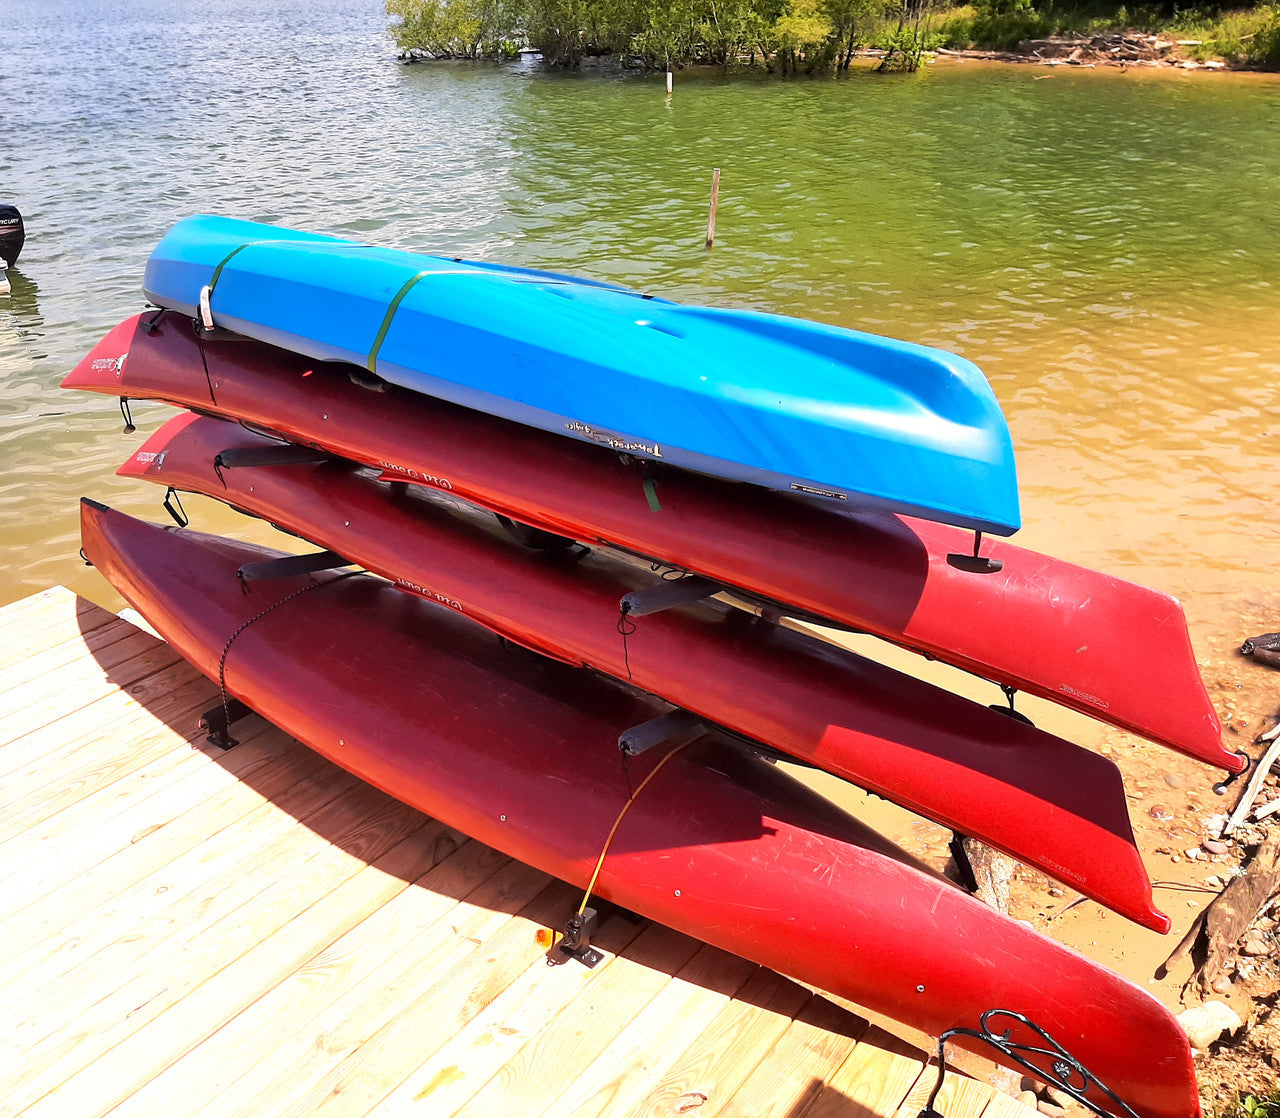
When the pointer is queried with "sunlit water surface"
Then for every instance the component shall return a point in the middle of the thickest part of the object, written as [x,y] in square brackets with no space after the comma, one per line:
[1104,245]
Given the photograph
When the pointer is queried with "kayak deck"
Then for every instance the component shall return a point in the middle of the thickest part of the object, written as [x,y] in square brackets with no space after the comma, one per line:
[341,988]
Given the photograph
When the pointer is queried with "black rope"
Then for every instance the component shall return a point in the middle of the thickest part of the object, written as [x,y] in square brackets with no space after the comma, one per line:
[129,428]
[226,648]
[213,399]
[625,628]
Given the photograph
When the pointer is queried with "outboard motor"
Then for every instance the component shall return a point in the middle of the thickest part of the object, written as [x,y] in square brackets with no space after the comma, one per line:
[12,234]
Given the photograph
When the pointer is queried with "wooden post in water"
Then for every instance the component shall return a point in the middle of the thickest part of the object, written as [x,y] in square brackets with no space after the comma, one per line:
[669,76]
[715,199]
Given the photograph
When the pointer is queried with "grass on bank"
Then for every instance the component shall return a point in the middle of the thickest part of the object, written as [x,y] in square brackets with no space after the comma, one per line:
[1253,1107]
[1241,37]
[809,36]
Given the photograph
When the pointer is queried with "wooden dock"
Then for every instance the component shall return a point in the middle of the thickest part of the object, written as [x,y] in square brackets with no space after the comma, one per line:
[254,932]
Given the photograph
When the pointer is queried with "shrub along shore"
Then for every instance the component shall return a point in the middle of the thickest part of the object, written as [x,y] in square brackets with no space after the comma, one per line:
[820,36]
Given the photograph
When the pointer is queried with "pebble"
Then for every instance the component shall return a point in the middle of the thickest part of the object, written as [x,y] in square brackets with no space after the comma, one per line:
[1176,858]
[1255,946]
[1213,846]
[1160,813]
[1055,892]
[1191,853]
[1221,985]
[1204,1024]
[1173,780]
[1028,1098]
[1213,881]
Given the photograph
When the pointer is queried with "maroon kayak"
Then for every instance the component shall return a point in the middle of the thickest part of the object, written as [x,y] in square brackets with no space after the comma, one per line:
[1052,804]
[1098,644]
[520,752]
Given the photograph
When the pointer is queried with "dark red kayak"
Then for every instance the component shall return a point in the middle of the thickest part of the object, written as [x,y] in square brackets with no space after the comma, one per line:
[521,753]
[1109,648]
[1052,804]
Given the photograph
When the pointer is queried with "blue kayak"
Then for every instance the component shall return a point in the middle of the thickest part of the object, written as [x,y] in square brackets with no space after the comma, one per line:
[780,402]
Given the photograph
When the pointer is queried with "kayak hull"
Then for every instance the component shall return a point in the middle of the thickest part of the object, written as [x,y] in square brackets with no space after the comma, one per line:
[778,402]
[1058,807]
[520,753]
[1091,642]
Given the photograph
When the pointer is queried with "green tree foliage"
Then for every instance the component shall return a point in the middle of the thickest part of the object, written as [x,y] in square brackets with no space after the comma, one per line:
[803,34]
[796,36]
[456,28]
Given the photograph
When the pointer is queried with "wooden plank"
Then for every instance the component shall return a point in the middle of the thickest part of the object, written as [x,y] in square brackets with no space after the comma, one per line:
[793,1072]
[960,1097]
[60,596]
[68,846]
[110,720]
[345,992]
[25,614]
[525,1010]
[85,760]
[255,882]
[110,1054]
[76,835]
[377,1065]
[715,1065]
[643,1051]
[87,680]
[1002,1106]
[128,909]
[873,1080]
[46,623]
[36,676]
[566,1046]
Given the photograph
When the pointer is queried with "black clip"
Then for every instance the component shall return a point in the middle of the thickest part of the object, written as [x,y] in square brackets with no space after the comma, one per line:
[1220,789]
[575,943]
[975,564]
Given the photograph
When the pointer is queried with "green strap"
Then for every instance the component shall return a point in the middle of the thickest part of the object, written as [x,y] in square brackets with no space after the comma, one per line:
[392,307]
[213,279]
[651,493]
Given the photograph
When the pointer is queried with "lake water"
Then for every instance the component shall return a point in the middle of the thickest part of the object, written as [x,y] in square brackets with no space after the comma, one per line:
[1106,246]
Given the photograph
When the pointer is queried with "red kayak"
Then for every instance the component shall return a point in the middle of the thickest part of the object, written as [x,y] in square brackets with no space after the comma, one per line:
[1109,648]
[520,752]
[1052,804]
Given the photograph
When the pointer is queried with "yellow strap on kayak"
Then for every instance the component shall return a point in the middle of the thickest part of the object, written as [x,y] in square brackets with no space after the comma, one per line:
[392,307]
[591,885]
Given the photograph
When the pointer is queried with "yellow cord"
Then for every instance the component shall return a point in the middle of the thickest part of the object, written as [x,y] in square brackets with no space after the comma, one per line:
[618,822]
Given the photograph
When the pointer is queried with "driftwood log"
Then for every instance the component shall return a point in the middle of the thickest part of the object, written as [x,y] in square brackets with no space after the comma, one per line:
[988,872]
[1212,937]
